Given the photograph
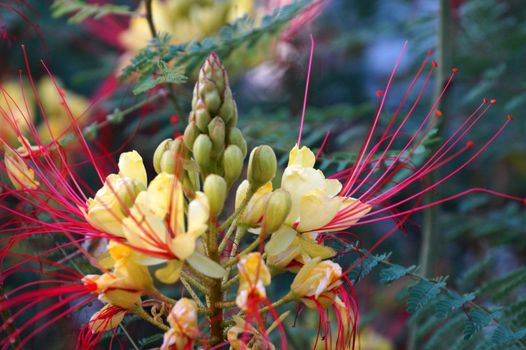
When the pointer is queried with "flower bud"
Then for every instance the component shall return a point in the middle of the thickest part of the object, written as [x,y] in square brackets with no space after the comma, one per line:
[163,147]
[216,130]
[315,278]
[190,134]
[201,149]
[166,156]
[232,163]
[262,166]
[202,116]
[214,70]
[216,190]
[278,208]
[235,137]
[255,210]
[228,108]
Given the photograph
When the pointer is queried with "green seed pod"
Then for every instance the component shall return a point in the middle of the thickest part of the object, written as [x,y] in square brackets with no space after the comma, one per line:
[235,137]
[216,130]
[232,163]
[278,208]
[262,166]
[202,117]
[190,134]
[163,147]
[215,189]
[202,148]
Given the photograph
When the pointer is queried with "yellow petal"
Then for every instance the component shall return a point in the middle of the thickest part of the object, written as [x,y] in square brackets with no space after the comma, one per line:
[107,318]
[303,157]
[183,245]
[317,210]
[170,273]
[131,165]
[198,212]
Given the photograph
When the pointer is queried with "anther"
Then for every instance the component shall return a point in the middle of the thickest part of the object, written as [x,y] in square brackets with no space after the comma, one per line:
[379,93]
[493,101]
[454,70]
[470,144]
[485,100]
[510,117]
[434,63]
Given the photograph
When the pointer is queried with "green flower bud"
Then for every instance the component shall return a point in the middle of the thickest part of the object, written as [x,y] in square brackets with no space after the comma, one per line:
[232,163]
[228,107]
[201,149]
[235,137]
[278,208]
[262,166]
[212,101]
[216,130]
[190,134]
[202,117]
[216,190]
[163,147]
[214,70]
[232,122]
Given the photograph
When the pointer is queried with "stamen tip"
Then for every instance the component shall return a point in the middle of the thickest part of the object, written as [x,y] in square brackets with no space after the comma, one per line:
[493,101]
[429,52]
[379,93]
[470,144]
[524,201]
[434,63]
[510,117]
[485,100]
[438,113]
[454,70]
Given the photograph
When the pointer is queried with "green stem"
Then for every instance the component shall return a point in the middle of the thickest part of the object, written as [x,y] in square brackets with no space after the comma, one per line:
[189,279]
[215,294]
[245,251]
[139,311]
[430,248]
[192,293]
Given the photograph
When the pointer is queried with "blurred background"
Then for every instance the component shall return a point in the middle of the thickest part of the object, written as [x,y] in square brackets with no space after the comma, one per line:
[478,240]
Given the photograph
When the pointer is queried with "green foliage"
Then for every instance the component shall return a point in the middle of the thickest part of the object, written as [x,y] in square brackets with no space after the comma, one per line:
[423,292]
[165,75]
[395,272]
[366,266]
[80,10]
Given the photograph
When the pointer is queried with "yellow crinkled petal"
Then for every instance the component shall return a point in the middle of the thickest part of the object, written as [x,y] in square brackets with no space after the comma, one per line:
[356,210]
[131,165]
[21,176]
[170,273]
[332,187]
[317,210]
[303,157]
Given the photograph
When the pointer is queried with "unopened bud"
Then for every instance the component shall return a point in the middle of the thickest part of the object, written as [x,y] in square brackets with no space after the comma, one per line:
[214,70]
[202,117]
[201,149]
[228,107]
[261,166]
[216,130]
[190,134]
[235,137]
[163,147]
[278,208]
[216,190]
[232,163]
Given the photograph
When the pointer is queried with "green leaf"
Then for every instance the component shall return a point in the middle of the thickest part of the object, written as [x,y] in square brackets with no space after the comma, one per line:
[80,10]
[451,301]
[366,266]
[477,319]
[422,293]
[395,272]
[206,266]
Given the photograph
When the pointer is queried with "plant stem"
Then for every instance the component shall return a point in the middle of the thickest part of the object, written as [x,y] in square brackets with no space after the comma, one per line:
[139,311]
[247,250]
[215,294]
[149,18]
[192,293]
[238,211]
[430,248]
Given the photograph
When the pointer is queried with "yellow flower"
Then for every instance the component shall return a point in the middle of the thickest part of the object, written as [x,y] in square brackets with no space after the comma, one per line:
[184,20]
[310,191]
[253,277]
[156,225]
[316,279]
[183,325]
[124,286]
[20,174]
[110,205]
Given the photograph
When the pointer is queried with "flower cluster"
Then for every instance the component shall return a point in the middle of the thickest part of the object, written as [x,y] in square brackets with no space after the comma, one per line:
[171,232]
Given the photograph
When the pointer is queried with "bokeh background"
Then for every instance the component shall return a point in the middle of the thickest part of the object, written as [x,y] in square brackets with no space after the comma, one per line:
[479,239]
